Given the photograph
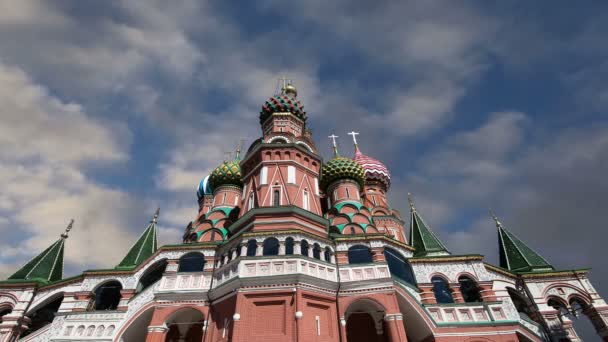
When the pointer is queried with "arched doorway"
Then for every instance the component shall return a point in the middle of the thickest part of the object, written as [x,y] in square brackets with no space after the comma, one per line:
[43,315]
[185,325]
[365,322]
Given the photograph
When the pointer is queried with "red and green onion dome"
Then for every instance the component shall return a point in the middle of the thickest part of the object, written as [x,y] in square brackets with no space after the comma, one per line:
[341,168]
[228,173]
[283,103]
[374,169]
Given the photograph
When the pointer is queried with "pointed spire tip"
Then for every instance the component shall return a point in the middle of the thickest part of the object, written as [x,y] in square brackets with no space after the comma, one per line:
[493,215]
[156,215]
[411,201]
[64,235]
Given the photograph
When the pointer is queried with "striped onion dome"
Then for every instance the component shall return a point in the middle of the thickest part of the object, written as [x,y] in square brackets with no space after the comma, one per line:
[374,169]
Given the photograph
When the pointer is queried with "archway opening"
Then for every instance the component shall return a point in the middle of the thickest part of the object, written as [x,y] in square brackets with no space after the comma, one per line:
[107,296]
[191,262]
[252,247]
[316,251]
[271,246]
[304,247]
[138,328]
[469,290]
[365,322]
[43,315]
[152,275]
[289,246]
[5,311]
[399,267]
[359,254]
[442,291]
[185,325]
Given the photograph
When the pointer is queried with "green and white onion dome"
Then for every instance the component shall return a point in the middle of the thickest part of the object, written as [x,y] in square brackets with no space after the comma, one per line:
[341,168]
[228,173]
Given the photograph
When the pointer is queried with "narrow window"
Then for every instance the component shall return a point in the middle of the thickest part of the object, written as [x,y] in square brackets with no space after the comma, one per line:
[347,193]
[291,174]
[224,199]
[316,251]
[252,247]
[305,200]
[352,230]
[316,181]
[289,246]
[212,236]
[251,199]
[276,197]
[264,175]
[374,200]
[304,247]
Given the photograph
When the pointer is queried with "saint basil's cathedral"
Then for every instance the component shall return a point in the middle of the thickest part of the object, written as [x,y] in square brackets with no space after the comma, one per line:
[288,247]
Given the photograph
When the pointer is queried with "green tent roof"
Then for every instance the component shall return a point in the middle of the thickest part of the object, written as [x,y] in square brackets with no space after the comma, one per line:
[517,256]
[422,237]
[46,266]
[143,248]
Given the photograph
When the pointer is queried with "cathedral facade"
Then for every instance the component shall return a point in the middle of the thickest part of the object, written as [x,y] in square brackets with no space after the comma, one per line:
[288,247]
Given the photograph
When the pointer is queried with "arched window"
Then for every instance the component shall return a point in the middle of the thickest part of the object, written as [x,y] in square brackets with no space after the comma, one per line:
[398,266]
[152,275]
[191,262]
[327,254]
[305,201]
[441,289]
[469,290]
[271,246]
[4,312]
[43,315]
[107,296]
[359,254]
[352,231]
[304,247]
[289,246]
[316,251]
[252,247]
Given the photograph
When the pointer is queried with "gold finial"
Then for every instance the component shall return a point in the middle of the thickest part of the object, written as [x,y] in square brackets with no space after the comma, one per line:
[498,224]
[409,199]
[238,149]
[287,88]
[354,134]
[67,229]
[155,215]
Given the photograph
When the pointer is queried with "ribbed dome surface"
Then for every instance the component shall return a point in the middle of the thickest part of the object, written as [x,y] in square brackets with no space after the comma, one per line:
[374,169]
[283,103]
[341,168]
[204,188]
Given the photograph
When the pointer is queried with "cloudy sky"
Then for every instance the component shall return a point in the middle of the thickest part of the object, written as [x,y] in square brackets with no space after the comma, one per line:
[110,109]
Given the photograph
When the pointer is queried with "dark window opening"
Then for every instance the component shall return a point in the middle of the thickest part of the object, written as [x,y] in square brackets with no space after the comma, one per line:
[304,247]
[252,247]
[276,197]
[191,262]
[43,315]
[289,246]
[442,292]
[271,247]
[4,312]
[153,274]
[469,290]
[316,252]
[107,296]
[399,267]
[359,254]
[212,236]
[352,230]
[327,255]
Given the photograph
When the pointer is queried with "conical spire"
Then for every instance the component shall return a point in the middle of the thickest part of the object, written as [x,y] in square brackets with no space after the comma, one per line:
[48,265]
[422,237]
[515,255]
[145,246]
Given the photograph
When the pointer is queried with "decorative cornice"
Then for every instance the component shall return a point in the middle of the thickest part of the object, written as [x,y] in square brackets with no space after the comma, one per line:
[554,274]
[447,258]
[369,237]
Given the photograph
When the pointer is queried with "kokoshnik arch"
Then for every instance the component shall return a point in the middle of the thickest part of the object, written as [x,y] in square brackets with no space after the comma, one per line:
[287,247]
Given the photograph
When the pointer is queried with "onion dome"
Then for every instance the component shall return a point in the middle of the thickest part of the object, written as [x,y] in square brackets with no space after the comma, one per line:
[228,173]
[286,102]
[341,168]
[374,169]
[204,188]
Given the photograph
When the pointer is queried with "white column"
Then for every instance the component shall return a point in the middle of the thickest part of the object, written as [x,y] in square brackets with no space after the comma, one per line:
[281,247]
[243,250]
[296,248]
[260,249]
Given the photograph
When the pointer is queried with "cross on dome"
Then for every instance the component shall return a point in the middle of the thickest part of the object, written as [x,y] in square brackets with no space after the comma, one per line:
[354,134]
[335,146]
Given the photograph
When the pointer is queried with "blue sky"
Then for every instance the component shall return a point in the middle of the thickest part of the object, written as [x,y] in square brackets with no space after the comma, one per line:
[110,109]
